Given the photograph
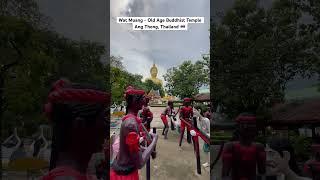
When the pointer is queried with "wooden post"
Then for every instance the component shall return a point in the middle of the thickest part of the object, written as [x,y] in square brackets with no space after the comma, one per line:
[197,152]
[148,162]
[148,167]
[153,154]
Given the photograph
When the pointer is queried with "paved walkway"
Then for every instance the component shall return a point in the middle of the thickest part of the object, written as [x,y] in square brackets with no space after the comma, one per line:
[172,163]
[157,122]
[216,172]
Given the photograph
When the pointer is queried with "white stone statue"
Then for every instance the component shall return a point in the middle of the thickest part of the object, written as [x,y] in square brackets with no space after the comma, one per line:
[281,161]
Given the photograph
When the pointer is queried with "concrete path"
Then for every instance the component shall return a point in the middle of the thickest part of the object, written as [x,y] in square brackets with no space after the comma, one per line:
[157,122]
[172,163]
[216,172]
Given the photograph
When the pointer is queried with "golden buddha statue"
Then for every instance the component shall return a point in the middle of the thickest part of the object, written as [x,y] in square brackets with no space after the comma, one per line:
[154,73]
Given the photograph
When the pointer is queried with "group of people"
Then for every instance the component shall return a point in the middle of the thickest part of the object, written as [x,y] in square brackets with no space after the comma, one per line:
[187,112]
[243,158]
[78,116]
[133,133]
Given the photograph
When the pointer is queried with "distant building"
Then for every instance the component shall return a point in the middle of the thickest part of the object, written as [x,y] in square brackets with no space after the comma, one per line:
[303,115]
[155,97]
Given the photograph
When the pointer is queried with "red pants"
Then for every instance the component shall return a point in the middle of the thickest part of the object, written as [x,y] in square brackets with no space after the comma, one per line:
[183,125]
[164,120]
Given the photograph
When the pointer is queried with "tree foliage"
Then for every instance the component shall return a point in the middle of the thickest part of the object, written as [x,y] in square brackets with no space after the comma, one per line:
[32,58]
[256,52]
[312,30]
[120,78]
[186,79]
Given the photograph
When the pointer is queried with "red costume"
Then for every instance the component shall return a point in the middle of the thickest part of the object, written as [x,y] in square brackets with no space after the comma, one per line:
[169,111]
[62,92]
[131,91]
[123,167]
[142,133]
[312,167]
[132,176]
[242,159]
[186,113]
[132,140]
[129,173]
[147,117]
[67,172]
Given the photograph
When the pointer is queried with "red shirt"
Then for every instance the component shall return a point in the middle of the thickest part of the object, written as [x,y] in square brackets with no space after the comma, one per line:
[312,167]
[146,114]
[138,120]
[243,160]
[186,112]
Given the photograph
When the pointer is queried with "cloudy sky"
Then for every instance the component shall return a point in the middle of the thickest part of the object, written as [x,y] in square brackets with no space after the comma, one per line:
[140,49]
[88,19]
[77,19]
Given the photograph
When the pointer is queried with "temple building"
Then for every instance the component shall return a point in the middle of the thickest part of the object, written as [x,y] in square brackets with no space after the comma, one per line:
[155,97]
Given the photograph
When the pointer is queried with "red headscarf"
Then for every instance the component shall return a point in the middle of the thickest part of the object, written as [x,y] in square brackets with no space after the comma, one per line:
[62,92]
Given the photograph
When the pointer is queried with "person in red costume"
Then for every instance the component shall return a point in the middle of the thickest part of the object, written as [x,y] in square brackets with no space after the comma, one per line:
[242,158]
[186,113]
[131,157]
[169,111]
[78,117]
[146,115]
[312,167]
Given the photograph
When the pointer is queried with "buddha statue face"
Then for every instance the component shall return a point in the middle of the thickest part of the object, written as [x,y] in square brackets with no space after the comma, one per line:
[154,71]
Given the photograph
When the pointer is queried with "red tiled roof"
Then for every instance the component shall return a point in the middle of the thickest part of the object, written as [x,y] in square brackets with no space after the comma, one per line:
[307,111]
[202,97]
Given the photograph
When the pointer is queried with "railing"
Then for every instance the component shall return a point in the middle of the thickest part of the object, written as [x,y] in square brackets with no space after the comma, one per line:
[195,138]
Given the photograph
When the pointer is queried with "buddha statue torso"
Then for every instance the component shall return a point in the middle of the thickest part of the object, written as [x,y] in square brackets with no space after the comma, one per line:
[154,73]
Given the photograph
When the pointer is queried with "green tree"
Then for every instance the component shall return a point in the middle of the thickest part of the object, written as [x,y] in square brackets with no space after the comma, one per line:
[120,78]
[256,52]
[185,80]
[116,61]
[32,59]
[312,31]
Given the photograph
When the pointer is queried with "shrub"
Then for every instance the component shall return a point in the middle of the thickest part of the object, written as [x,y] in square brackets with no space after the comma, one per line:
[301,146]
[118,114]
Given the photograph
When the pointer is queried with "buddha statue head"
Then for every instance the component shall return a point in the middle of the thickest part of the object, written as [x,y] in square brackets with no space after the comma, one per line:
[154,71]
